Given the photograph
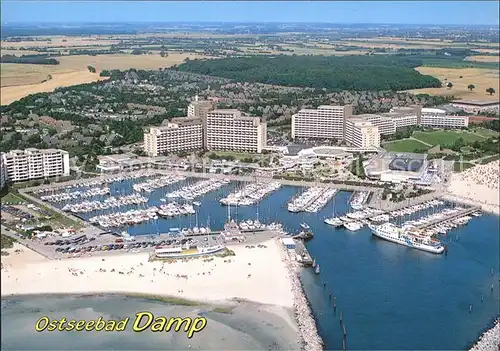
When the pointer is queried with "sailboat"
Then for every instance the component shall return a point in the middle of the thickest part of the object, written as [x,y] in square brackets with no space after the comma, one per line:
[314,263]
[334,221]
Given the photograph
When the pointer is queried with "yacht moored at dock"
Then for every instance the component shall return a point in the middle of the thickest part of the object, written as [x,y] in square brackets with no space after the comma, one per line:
[186,250]
[334,221]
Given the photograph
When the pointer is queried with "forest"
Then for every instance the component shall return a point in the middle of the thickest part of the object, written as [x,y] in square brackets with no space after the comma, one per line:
[29,59]
[355,73]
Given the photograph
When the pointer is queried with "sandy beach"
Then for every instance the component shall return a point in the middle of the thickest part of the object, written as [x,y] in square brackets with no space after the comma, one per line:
[256,274]
[478,185]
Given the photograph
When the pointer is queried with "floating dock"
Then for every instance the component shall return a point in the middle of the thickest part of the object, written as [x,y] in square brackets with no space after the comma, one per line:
[450,217]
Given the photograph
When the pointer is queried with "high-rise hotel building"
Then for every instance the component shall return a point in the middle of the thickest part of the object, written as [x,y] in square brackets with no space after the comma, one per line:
[361,133]
[209,129]
[34,163]
[180,134]
[230,129]
[325,122]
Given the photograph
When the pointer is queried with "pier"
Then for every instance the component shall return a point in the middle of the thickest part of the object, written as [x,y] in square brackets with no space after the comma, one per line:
[301,250]
[450,217]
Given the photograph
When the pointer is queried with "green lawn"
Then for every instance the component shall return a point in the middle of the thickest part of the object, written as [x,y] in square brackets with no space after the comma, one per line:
[489,159]
[405,145]
[487,133]
[12,199]
[462,166]
[445,137]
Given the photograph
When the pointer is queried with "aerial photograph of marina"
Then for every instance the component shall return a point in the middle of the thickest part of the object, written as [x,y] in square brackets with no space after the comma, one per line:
[250,175]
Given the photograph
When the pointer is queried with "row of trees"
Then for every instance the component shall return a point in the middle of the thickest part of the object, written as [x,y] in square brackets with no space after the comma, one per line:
[471,87]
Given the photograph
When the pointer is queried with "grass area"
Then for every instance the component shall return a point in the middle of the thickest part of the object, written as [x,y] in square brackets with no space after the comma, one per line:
[171,300]
[445,137]
[489,159]
[461,166]
[226,310]
[12,199]
[487,133]
[405,145]
[6,242]
[237,155]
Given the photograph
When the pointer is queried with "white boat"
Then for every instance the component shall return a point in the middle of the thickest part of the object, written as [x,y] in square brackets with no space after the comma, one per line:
[353,226]
[305,225]
[196,203]
[186,251]
[334,221]
[415,240]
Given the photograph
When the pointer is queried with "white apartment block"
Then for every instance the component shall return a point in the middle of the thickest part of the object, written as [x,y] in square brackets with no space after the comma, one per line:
[3,174]
[180,134]
[34,163]
[386,125]
[439,121]
[361,133]
[229,129]
[325,122]
[200,108]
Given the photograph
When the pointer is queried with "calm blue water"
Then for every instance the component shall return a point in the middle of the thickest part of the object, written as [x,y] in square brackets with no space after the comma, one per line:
[391,297]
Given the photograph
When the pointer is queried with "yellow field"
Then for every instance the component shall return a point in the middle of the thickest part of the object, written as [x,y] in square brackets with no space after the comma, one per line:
[481,58]
[61,41]
[19,80]
[13,93]
[481,78]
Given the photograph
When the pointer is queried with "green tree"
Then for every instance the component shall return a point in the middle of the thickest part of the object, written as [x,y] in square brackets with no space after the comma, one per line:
[471,87]
[91,69]
[449,85]
[490,91]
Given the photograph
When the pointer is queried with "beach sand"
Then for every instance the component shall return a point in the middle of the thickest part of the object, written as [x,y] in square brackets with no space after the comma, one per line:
[256,274]
[478,185]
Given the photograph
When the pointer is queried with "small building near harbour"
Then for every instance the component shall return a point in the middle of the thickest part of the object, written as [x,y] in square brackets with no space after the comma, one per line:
[289,243]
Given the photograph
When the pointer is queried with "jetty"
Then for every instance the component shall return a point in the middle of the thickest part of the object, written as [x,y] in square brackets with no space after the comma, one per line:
[302,252]
[462,213]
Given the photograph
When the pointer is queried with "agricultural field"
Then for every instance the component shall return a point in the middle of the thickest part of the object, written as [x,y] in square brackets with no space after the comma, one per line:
[404,145]
[19,80]
[483,58]
[446,137]
[481,78]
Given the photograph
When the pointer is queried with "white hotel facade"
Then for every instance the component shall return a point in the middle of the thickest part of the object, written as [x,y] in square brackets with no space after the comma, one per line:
[325,122]
[23,165]
[230,129]
[180,134]
[207,128]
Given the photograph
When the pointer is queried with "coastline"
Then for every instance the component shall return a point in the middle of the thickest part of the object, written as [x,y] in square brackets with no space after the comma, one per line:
[490,339]
[486,207]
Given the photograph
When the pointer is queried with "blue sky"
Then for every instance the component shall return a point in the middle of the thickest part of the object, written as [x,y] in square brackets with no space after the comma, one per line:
[411,12]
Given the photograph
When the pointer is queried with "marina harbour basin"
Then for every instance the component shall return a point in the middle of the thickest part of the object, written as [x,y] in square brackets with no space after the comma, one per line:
[377,284]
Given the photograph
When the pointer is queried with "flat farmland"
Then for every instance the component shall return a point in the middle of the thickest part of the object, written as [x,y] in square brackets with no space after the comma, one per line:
[19,80]
[483,58]
[481,78]
[445,137]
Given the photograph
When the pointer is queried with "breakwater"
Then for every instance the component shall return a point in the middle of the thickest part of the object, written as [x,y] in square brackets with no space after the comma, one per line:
[490,340]
[308,332]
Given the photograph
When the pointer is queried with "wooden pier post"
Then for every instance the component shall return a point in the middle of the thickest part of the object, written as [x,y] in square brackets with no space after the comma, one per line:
[345,332]
[340,317]
[343,345]
[334,303]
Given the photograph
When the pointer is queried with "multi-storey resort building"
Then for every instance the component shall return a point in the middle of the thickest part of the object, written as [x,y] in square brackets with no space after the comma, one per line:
[3,174]
[361,133]
[325,122]
[180,134]
[229,129]
[386,125]
[34,163]
[200,108]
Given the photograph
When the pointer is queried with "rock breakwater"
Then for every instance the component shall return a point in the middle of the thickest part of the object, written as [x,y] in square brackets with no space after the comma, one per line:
[308,332]
[490,340]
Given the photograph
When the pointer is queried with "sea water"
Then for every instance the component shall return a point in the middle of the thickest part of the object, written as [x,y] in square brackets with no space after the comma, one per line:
[390,296]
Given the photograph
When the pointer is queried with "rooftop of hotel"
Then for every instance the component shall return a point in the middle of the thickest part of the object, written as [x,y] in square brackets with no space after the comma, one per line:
[476,102]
